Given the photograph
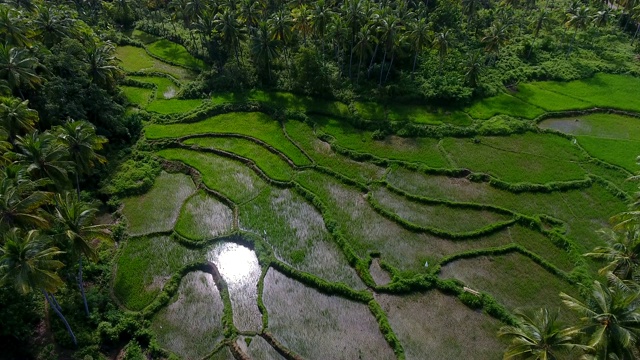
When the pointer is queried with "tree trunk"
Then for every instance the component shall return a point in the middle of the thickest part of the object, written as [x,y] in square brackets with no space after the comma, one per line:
[350,62]
[64,321]
[635,36]
[359,66]
[382,66]
[572,41]
[413,69]
[373,57]
[393,54]
[77,183]
[81,286]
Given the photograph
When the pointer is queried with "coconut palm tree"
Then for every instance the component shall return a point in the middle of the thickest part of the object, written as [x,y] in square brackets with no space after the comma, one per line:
[21,201]
[17,67]
[28,261]
[230,30]
[82,142]
[441,42]
[622,253]
[474,68]
[16,117]
[53,24]
[320,19]
[263,48]
[363,45]
[13,27]
[539,336]
[75,219]
[610,319]
[495,36]
[419,36]
[353,13]
[103,65]
[250,14]
[44,157]
[579,20]
[390,30]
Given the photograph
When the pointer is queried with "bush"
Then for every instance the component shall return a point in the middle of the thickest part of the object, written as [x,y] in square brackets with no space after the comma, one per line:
[134,176]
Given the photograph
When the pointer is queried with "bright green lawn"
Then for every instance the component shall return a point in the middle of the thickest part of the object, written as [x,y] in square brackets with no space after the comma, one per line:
[254,124]
[503,104]
[163,84]
[158,209]
[231,178]
[518,158]
[421,150]
[136,95]
[273,165]
[173,106]
[602,90]
[619,152]
[144,266]
[174,53]
[548,100]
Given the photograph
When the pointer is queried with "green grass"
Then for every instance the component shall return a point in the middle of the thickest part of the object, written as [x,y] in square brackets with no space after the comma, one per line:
[439,216]
[413,113]
[229,177]
[203,217]
[191,325]
[597,125]
[253,124]
[617,177]
[174,53]
[158,209]
[143,37]
[421,150]
[530,157]
[548,100]
[272,165]
[618,152]
[321,152]
[136,95]
[585,210]
[602,90]
[339,328]
[503,104]
[173,106]
[134,58]
[144,266]
[296,232]
[442,326]
[164,85]
[534,288]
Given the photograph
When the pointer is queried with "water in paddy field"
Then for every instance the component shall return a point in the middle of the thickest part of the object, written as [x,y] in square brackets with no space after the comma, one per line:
[239,267]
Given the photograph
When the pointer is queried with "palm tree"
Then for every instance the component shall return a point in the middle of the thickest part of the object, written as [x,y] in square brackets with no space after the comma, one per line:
[21,201]
[44,157]
[17,67]
[250,14]
[579,21]
[53,24]
[320,19]
[13,28]
[353,13]
[610,319]
[75,220]
[363,45]
[622,253]
[230,30]
[279,25]
[389,30]
[302,21]
[28,262]
[419,36]
[538,336]
[263,48]
[103,68]
[474,69]
[82,142]
[441,42]
[495,36]
[539,25]
[16,117]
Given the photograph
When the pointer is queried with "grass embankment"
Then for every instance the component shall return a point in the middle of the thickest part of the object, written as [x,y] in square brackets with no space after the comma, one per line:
[231,178]
[174,53]
[257,125]
[272,164]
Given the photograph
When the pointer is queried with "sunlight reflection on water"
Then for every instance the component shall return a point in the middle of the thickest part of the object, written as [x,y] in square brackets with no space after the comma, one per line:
[237,264]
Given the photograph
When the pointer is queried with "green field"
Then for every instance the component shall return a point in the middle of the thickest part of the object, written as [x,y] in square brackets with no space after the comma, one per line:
[174,53]
[319,231]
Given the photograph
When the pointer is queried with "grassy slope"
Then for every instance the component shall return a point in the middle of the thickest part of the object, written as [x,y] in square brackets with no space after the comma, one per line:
[174,53]
[257,125]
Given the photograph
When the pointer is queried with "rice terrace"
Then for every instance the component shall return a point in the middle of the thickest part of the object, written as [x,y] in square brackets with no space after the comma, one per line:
[329,179]
[278,230]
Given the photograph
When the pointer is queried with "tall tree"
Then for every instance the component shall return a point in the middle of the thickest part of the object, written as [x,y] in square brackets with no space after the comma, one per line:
[16,117]
[103,65]
[622,253]
[441,42]
[44,157]
[230,30]
[579,21]
[539,336]
[263,48]
[76,219]
[13,27]
[21,199]
[82,142]
[419,36]
[28,261]
[610,319]
[53,24]
[17,67]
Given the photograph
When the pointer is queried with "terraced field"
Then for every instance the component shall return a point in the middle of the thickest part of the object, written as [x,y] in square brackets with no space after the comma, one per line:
[290,239]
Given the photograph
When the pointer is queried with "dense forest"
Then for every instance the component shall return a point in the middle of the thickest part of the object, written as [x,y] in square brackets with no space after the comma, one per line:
[65,127]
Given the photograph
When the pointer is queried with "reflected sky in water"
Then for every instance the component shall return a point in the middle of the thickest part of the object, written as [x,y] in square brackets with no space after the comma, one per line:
[237,264]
